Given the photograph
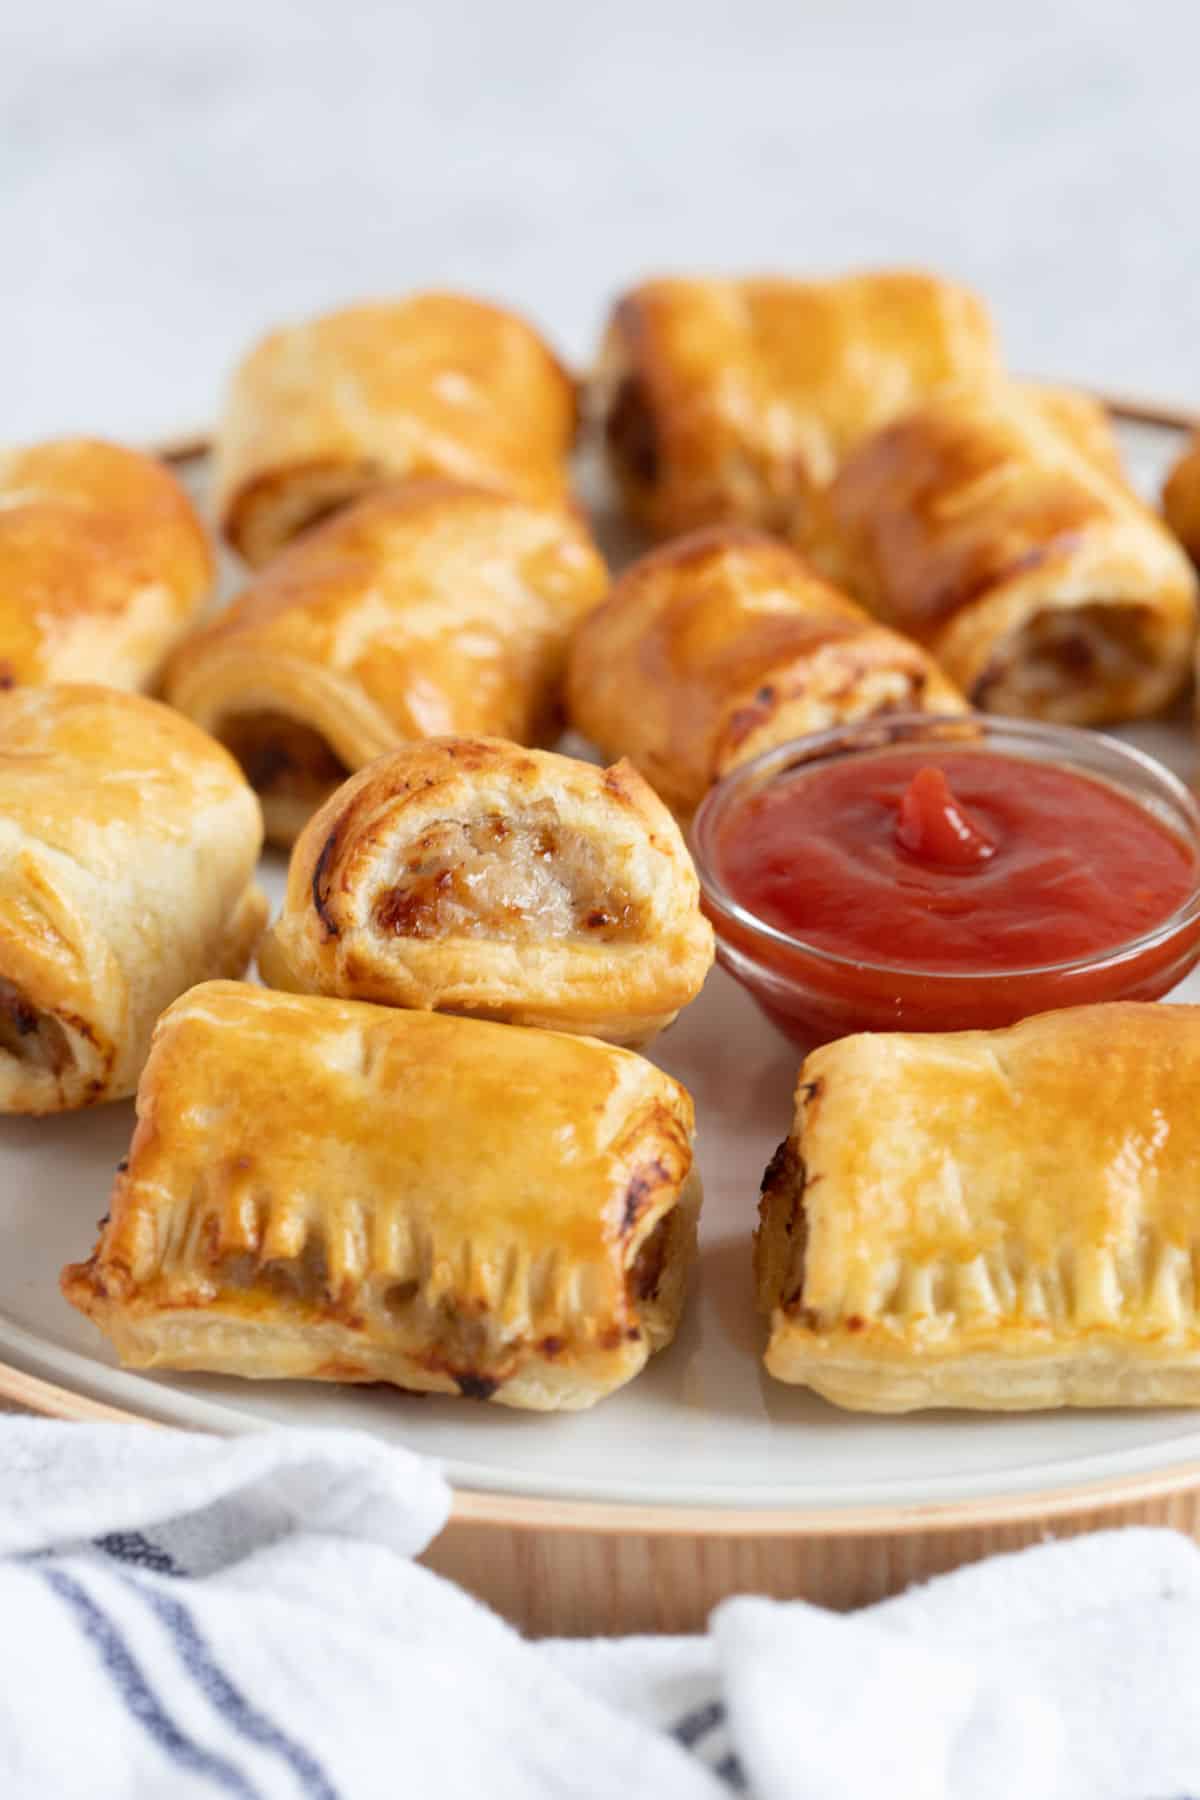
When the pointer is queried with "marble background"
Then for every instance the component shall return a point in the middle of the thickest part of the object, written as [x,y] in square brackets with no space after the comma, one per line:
[173,179]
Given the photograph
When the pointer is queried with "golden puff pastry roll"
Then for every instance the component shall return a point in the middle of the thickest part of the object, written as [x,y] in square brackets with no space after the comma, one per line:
[468,875]
[421,611]
[128,845]
[725,643]
[1181,498]
[1083,419]
[323,1189]
[733,400]
[992,1219]
[103,564]
[435,386]
[1044,587]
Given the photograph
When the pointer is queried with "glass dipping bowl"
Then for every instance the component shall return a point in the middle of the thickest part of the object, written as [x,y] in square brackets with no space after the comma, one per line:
[814,995]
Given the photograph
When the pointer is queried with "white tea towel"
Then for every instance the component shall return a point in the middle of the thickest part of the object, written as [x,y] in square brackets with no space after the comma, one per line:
[1070,1671]
[183,1615]
[193,1616]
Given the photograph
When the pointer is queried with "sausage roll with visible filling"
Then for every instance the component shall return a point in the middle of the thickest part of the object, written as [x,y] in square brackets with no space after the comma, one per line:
[103,564]
[733,400]
[1181,499]
[724,644]
[469,876]
[128,845]
[318,1188]
[435,386]
[992,535]
[422,611]
[992,1219]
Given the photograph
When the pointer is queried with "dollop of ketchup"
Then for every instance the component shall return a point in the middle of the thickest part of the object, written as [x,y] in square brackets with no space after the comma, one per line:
[983,862]
[935,827]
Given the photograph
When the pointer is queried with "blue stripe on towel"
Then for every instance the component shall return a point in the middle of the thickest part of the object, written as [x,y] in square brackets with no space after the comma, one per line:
[135,1548]
[732,1774]
[697,1724]
[141,1702]
[694,1728]
[197,1658]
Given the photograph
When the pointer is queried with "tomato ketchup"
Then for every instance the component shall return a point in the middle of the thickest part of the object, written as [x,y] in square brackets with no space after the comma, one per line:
[938,887]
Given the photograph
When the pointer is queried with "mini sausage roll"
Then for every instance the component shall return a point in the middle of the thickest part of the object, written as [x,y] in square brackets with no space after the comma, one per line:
[128,845]
[322,1189]
[469,876]
[435,386]
[1181,499]
[992,1219]
[731,401]
[724,644]
[1083,419]
[419,612]
[1034,574]
[103,564]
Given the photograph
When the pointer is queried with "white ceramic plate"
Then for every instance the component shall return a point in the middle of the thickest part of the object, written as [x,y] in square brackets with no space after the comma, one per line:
[703,1426]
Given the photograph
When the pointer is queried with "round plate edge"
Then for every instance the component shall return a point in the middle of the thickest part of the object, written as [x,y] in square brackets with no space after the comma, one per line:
[477,1507]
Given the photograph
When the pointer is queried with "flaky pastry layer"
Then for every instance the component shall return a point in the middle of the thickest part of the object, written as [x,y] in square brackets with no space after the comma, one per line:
[723,644]
[991,528]
[420,611]
[469,875]
[323,1189]
[998,1220]
[437,386]
[733,401]
[1181,498]
[103,564]
[128,848]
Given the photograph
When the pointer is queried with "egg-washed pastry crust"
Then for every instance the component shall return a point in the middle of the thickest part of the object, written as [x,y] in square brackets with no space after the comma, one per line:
[990,528]
[128,848]
[469,875]
[324,1189]
[103,564]
[1181,497]
[423,610]
[725,643]
[437,386]
[732,401]
[998,1220]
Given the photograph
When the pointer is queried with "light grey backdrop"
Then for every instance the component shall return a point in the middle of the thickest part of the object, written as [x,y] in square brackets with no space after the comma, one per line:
[173,178]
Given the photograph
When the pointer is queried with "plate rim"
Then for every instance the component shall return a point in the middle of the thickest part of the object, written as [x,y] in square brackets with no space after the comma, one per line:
[481,1507]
